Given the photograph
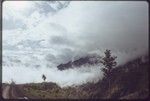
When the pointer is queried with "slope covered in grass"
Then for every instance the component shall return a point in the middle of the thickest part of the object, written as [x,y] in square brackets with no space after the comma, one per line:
[129,81]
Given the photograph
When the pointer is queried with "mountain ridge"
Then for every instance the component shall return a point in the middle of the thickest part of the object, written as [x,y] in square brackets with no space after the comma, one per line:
[86,60]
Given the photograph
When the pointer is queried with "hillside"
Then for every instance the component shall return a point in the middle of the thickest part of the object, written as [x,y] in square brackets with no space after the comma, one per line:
[129,81]
[87,60]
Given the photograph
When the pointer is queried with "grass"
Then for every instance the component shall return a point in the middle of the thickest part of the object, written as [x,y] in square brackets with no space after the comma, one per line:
[129,81]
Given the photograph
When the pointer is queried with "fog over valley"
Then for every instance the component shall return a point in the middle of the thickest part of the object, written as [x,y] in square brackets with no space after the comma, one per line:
[40,35]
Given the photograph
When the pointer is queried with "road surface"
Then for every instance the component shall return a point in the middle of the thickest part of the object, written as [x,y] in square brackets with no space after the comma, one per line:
[12,92]
[6,92]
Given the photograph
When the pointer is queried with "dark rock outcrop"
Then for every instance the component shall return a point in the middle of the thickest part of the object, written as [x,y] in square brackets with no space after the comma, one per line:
[88,60]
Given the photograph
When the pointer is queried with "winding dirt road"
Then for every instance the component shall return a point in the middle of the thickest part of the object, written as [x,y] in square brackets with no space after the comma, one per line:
[12,92]
[5,93]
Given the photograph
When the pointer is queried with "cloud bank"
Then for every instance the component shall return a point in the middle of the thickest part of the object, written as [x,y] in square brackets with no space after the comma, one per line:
[63,31]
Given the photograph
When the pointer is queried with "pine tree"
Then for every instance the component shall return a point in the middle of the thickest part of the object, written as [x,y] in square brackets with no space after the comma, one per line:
[109,62]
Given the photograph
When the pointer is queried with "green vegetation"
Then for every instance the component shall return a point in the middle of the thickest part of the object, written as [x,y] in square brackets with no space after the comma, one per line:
[129,81]
[52,90]
[109,62]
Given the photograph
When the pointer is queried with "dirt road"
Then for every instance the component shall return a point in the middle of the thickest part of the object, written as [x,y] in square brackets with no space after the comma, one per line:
[12,92]
[6,93]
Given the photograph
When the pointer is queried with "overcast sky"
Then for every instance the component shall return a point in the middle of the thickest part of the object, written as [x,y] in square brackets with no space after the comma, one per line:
[40,35]
[69,28]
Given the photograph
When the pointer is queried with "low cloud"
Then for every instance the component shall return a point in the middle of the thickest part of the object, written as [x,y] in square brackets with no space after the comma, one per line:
[75,30]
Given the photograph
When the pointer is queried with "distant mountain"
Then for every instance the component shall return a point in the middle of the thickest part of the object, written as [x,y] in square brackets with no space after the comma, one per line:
[87,60]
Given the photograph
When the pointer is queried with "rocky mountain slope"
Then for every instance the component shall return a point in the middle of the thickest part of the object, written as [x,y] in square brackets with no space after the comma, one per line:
[87,60]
